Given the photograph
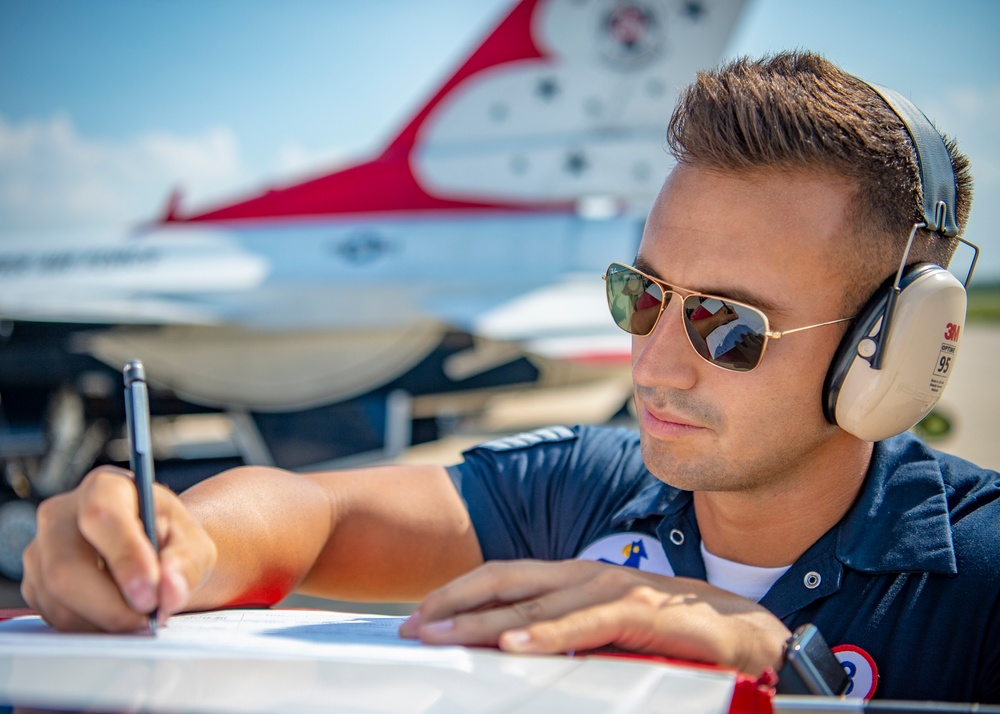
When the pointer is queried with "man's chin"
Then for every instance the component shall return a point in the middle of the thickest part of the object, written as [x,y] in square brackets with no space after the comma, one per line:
[669,462]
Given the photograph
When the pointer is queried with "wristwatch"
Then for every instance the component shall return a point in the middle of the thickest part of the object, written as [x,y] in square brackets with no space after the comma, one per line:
[809,666]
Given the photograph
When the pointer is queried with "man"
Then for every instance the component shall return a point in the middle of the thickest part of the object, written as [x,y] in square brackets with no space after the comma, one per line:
[793,198]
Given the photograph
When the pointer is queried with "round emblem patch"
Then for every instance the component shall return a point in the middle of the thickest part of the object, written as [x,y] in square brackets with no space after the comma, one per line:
[635,550]
[861,668]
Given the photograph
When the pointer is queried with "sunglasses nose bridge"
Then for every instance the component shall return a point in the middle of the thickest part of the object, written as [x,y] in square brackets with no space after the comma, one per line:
[666,354]
[670,301]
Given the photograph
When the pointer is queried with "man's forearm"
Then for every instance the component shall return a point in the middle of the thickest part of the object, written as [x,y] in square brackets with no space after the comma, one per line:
[269,527]
[390,533]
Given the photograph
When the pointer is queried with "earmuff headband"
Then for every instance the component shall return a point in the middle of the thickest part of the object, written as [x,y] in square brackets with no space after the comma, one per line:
[937,175]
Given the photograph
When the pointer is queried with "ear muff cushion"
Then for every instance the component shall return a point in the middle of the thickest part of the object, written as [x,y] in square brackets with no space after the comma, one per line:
[862,327]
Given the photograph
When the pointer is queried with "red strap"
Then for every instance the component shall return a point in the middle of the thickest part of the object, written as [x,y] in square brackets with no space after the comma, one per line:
[750,696]
[753,696]
[7,613]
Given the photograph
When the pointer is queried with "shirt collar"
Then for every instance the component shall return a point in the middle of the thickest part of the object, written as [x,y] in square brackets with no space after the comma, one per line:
[657,499]
[899,522]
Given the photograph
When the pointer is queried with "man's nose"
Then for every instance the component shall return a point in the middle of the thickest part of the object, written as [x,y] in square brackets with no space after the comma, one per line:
[665,356]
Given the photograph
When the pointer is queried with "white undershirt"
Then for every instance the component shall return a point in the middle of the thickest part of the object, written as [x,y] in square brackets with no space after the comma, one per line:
[748,581]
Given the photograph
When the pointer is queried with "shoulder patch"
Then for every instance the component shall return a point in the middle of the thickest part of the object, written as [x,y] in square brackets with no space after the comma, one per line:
[634,550]
[548,435]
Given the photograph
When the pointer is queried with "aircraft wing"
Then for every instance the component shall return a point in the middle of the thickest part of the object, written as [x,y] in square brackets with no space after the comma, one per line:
[187,277]
[565,320]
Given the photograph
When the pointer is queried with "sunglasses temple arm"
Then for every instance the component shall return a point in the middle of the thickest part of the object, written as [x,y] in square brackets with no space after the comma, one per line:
[890,303]
[890,308]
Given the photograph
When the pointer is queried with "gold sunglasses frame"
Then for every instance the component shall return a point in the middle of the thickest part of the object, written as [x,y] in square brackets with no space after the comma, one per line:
[684,294]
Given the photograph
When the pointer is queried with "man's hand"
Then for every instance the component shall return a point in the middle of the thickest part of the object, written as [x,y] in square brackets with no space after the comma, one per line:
[91,566]
[539,607]
[749,346]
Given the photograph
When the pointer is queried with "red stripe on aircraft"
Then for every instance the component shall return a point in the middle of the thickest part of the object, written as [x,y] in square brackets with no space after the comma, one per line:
[379,186]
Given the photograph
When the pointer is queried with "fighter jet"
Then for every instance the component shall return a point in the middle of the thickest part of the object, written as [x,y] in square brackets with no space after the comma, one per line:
[468,251]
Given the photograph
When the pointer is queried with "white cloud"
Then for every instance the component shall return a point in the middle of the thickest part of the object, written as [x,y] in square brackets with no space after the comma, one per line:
[52,177]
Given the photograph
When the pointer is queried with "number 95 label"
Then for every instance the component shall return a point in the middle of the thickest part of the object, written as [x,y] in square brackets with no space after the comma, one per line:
[945,358]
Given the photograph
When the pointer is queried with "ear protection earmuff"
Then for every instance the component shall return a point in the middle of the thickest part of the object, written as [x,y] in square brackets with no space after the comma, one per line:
[895,359]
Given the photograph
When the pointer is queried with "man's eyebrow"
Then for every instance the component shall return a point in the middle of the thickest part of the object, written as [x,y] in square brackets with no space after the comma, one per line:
[731,293]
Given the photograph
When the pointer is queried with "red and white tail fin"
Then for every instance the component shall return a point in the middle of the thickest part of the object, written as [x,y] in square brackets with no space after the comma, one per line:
[565,100]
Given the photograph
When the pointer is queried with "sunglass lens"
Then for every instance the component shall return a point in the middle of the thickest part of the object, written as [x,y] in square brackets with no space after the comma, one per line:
[633,299]
[729,335]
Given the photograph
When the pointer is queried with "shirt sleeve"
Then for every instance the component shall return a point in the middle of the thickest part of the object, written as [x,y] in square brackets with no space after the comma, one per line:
[547,494]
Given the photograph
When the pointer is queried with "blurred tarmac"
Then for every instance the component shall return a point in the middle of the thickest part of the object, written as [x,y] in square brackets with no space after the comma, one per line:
[972,399]
[971,403]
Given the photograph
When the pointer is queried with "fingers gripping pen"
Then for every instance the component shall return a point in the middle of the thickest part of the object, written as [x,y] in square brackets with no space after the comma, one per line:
[140,450]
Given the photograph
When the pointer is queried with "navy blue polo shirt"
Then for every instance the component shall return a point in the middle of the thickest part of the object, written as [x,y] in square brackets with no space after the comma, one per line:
[906,587]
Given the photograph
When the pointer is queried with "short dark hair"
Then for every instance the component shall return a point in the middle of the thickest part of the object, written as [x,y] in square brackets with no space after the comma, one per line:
[797,110]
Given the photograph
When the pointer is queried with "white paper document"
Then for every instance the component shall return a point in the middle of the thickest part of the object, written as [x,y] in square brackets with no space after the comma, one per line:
[308,660]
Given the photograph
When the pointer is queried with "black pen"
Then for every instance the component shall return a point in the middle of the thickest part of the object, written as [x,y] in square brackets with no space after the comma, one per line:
[140,450]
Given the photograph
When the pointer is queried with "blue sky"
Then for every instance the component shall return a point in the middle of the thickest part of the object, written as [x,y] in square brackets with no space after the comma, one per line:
[106,105]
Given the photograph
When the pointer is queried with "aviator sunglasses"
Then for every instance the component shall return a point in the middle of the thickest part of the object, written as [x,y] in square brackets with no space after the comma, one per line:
[726,333]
